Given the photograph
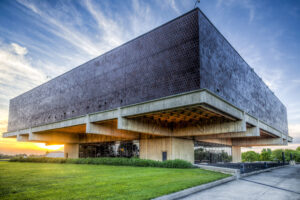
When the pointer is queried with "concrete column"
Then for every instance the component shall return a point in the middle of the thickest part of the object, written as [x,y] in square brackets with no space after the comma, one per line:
[236,154]
[175,148]
[71,150]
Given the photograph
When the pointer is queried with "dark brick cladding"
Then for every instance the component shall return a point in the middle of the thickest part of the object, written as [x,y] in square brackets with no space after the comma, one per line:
[160,63]
[163,62]
[224,72]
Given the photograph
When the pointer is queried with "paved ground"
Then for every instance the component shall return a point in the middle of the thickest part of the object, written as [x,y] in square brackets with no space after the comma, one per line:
[278,184]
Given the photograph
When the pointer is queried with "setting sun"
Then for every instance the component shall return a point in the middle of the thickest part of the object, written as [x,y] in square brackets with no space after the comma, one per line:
[50,147]
[11,146]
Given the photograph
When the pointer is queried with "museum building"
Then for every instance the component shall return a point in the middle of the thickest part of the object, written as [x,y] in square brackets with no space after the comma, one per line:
[158,96]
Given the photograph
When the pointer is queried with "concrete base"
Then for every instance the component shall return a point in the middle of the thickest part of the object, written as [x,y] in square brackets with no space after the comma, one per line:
[71,150]
[175,148]
[236,154]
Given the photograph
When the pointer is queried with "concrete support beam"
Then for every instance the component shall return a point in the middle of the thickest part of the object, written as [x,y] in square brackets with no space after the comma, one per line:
[109,129]
[147,127]
[175,148]
[225,141]
[203,97]
[219,128]
[71,150]
[258,142]
[251,120]
[103,116]
[95,138]
[236,154]
[61,124]
[15,134]
[23,138]
[270,129]
[54,137]
[250,132]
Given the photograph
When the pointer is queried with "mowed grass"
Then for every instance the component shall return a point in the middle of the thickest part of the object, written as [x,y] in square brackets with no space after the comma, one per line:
[71,181]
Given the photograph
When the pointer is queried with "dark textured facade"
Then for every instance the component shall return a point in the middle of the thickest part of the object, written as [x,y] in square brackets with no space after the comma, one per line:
[185,54]
[224,72]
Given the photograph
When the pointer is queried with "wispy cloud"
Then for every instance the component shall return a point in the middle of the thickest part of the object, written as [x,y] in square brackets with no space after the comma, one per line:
[243,4]
[63,28]
[251,9]
[173,5]
[111,31]
[15,68]
[17,74]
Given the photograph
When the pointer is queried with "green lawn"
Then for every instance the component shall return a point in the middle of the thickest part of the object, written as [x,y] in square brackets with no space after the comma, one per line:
[71,181]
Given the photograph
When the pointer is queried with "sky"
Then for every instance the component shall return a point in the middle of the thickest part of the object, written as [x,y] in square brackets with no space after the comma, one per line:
[40,40]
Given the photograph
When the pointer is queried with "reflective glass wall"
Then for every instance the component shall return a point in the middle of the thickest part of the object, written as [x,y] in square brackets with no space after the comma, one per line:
[126,149]
[212,153]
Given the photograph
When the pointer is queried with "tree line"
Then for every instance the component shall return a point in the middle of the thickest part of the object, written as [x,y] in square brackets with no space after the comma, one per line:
[269,155]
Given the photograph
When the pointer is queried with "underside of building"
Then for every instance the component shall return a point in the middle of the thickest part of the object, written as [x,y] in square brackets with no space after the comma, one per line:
[177,88]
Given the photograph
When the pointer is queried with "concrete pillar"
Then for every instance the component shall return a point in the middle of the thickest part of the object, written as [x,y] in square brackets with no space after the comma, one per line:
[71,150]
[236,154]
[173,148]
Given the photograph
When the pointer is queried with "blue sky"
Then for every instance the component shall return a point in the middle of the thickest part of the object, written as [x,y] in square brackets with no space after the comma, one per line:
[41,39]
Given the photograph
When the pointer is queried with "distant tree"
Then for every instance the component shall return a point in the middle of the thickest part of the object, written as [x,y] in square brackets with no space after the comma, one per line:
[3,156]
[277,155]
[269,155]
[289,153]
[298,149]
[225,157]
[266,155]
[250,156]
[297,156]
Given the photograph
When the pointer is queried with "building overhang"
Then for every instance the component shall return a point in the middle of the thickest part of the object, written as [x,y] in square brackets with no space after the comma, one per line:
[200,115]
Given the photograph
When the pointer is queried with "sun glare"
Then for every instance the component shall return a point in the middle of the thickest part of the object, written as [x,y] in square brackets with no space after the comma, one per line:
[50,147]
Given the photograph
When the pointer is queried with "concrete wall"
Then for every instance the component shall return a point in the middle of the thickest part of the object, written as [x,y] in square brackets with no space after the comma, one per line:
[236,154]
[183,149]
[176,148]
[71,150]
[224,72]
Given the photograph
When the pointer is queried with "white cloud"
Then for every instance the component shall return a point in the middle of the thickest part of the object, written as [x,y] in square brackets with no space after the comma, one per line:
[19,49]
[17,75]
[15,66]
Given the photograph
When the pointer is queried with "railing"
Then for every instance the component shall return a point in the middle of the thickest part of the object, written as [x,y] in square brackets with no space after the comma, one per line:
[249,167]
